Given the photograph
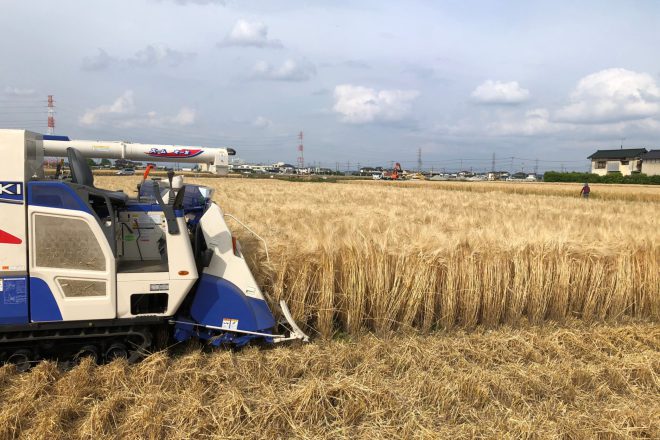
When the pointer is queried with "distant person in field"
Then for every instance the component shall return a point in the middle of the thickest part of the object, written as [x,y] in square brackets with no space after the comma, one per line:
[584,192]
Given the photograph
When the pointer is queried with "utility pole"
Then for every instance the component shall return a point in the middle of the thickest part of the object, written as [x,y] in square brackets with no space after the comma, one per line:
[51,115]
[419,160]
[301,152]
[511,167]
[492,164]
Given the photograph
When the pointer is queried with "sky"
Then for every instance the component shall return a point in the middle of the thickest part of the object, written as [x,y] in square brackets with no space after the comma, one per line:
[534,84]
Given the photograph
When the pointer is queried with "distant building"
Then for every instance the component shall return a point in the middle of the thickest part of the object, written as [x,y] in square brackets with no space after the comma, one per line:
[518,176]
[651,163]
[623,160]
[285,168]
[498,175]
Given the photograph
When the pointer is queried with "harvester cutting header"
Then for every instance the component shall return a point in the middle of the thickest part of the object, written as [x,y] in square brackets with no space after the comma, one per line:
[86,271]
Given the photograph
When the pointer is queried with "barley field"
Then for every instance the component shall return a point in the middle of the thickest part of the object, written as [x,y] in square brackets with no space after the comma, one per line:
[574,382]
[438,311]
[393,256]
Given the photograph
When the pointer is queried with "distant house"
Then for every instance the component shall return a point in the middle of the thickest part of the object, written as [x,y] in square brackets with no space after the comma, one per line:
[285,168]
[518,176]
[498,175]
[623,160]
[651,163]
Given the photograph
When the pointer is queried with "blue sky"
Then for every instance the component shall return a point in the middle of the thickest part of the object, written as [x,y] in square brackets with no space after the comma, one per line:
[368,82]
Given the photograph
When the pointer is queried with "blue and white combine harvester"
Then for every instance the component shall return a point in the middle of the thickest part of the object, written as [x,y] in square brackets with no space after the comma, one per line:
[88,272]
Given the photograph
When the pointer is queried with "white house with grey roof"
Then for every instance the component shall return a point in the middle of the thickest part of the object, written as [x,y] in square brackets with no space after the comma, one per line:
[651,163]
[622,160]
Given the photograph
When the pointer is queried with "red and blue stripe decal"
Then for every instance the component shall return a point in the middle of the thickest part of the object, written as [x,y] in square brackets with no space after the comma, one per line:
[180,153]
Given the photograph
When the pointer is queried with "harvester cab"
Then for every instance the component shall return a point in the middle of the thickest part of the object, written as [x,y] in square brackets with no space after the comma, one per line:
[91,271]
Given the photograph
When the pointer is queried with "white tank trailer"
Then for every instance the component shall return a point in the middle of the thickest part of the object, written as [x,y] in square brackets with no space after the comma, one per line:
[214,160]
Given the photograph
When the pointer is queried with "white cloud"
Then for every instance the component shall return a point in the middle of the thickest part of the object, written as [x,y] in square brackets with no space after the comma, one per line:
[121,106]
[185,117]
[159,54]
[100,61]
[533,122]
[152,55]
[498,92]
[613,102]
[246,33]
[122,113]
[290,70]
[16,91]
[262,122]
[359,105]
[612,95]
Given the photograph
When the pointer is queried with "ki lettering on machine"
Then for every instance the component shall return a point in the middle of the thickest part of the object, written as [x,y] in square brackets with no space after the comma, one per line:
[11,191]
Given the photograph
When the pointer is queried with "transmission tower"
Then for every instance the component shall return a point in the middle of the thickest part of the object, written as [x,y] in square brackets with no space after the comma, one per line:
[301,151]
[419,160]
[51,115]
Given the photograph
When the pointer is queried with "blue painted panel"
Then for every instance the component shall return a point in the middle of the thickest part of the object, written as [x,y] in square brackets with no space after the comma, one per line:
[55,195]
[216,299]
[43,306]
[13,300]
[149,207]
[143,207]
[55,137]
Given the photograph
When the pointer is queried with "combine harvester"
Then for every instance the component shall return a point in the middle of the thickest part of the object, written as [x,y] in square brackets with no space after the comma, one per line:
[88,272]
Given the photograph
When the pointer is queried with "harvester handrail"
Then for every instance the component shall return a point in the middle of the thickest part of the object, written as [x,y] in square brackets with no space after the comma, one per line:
[253,233]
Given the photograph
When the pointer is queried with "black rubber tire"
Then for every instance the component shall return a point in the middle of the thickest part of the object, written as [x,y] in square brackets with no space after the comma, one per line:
[116,351]
[87,351]
[22,359]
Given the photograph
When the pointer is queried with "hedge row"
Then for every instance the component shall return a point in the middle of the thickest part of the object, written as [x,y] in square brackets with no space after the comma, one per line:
[637,178]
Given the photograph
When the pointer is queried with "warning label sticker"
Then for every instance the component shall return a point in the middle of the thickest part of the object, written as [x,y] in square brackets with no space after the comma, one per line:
[13,290]
[230,324]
